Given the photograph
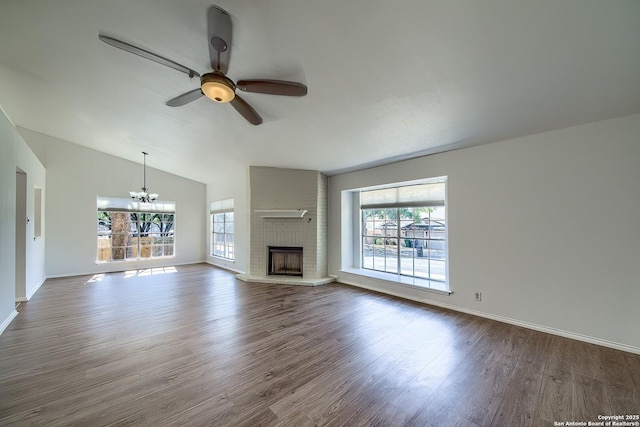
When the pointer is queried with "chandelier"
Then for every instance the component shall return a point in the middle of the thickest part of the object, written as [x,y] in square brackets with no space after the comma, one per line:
[143,196]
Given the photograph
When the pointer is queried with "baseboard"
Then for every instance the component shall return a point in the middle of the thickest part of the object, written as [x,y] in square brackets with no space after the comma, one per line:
[224,267]
[7,321]
[120,268]
[548,330]
[34,290]
[528,325]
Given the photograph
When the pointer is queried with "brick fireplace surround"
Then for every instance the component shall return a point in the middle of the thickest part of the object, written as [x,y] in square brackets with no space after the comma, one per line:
[288,190]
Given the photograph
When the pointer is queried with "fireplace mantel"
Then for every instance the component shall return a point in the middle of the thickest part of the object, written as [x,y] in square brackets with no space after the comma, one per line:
[281,213]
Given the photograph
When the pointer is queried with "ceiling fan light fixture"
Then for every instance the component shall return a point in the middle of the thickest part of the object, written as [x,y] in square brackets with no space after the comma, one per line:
[217,87]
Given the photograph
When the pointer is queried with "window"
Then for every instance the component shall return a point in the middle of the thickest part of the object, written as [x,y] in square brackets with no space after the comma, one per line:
[129,230]
[222,230]
[404,231]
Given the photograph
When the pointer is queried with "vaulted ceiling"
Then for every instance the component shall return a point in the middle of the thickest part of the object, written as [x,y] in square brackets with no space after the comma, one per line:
[387,79]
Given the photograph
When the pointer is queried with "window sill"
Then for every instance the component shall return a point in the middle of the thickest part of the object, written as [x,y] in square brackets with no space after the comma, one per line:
[396,279]
[132,260]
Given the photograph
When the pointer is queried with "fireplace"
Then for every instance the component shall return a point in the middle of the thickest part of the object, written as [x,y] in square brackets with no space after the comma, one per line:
[285,261]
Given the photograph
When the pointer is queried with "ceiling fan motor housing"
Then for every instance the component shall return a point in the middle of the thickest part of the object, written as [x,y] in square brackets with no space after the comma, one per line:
[217,87]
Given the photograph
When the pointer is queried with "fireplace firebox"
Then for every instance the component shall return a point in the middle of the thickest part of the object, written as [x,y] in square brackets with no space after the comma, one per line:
[285,261]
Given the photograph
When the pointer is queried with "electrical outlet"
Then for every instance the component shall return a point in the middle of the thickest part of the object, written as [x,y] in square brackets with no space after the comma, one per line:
[478,296]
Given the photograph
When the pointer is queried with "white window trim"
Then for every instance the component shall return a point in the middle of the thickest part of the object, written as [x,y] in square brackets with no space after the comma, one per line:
[397,279]
[119,204]
[217,207]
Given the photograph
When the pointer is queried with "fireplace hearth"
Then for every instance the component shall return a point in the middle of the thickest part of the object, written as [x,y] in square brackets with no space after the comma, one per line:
[285,261]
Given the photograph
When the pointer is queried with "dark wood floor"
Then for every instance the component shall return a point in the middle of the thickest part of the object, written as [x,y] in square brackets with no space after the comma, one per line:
[196,347]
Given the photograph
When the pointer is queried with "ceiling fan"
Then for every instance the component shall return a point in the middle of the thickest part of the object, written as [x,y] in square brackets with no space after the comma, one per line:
[215,85]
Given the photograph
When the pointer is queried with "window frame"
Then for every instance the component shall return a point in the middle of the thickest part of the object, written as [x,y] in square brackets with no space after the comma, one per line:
[222,209]
[399,196]
[397,236]
[142,217]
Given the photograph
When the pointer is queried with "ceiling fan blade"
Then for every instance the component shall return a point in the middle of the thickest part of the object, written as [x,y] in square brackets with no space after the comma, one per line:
[246,110]
[185,98]
[273,87]
[219,31]
[148,55]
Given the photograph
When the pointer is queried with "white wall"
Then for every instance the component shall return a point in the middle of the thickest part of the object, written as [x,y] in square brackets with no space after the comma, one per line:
[77,175]
[14,154]
[7,223]
[547,227]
